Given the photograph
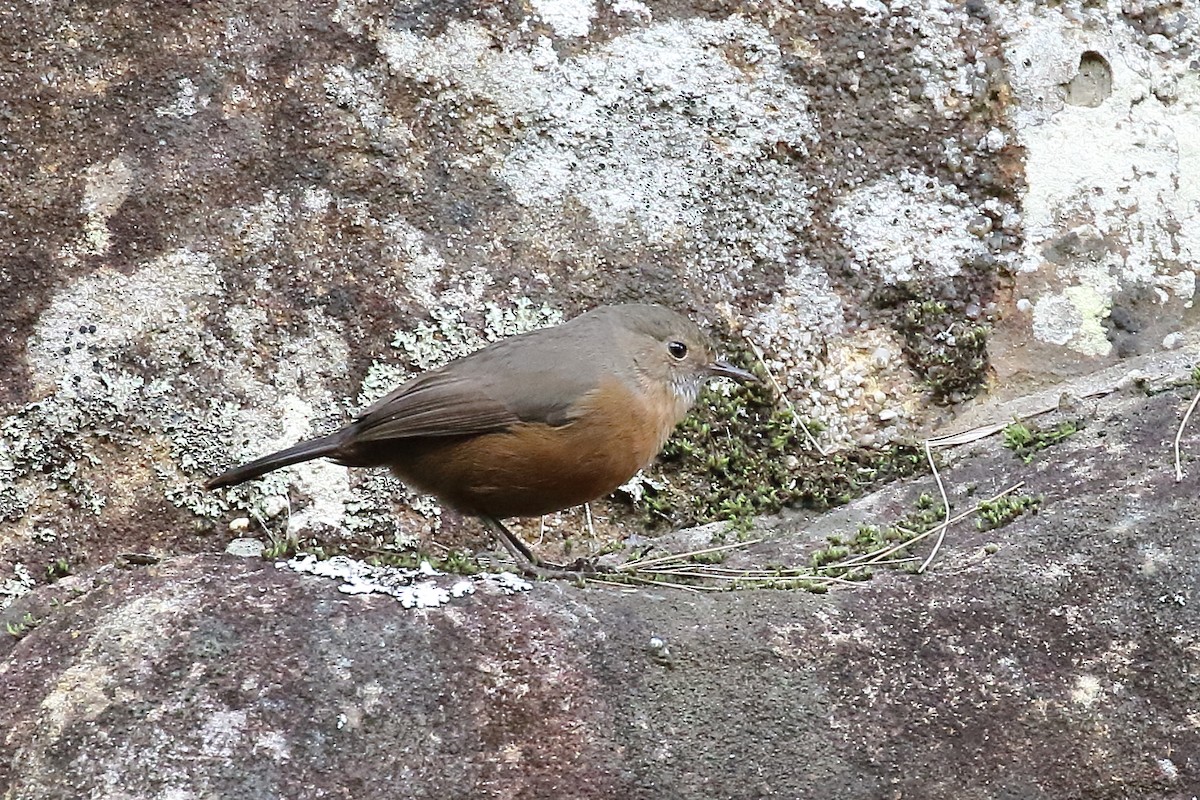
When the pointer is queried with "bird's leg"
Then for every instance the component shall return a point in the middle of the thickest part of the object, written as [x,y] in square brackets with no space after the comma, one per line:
[529,563]
[512,543]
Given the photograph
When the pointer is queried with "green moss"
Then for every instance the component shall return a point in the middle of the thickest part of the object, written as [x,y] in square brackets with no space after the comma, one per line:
[998,513]
[709,558]
[278,547]
[24,626]
[947,351]
[59,568]
[455,562]
[741,454]
[843,557]
[926,514]
[1025,441]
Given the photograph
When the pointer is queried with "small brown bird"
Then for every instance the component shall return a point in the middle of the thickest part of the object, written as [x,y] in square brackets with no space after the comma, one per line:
[532,424]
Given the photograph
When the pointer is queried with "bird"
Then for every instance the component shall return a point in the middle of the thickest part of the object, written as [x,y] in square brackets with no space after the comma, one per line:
[531,424]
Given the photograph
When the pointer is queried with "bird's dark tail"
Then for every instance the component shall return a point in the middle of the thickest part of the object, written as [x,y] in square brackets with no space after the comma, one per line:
[304,451]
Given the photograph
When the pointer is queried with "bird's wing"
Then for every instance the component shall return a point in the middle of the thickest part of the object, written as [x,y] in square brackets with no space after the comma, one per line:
[434,404]
[528,378]
[459,402]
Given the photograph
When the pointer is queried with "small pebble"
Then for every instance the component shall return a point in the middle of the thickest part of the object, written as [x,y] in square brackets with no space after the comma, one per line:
[245,548]
[273,506]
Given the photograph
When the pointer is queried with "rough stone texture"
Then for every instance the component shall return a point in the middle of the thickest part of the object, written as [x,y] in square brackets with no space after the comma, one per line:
[1062,665]
[1107,108]
[226,225]
[231,224]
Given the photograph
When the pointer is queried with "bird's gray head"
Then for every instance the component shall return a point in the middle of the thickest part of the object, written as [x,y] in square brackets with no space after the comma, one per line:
[671,349]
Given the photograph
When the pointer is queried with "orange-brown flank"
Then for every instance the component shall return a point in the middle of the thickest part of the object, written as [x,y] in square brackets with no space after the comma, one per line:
[534,468]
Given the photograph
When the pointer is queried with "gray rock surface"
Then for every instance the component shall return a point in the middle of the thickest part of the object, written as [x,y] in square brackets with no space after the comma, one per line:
[1060,661]
[225,225]
[229,225]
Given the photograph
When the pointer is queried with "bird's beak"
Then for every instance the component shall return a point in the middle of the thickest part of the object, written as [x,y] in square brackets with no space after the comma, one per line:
[723,369]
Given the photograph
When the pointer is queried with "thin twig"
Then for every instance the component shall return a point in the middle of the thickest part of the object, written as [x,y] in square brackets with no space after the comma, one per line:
[669,584]
[718,568]
[654,571]
[618,584]
[631,566]
[945,506]
[888,562]
[796,420]
[972,435]
[682,573]
[874,557]
[1179,435]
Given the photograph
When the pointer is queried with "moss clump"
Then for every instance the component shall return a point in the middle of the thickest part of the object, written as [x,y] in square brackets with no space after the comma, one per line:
[454,562]
[1025,441]
[740,454]
[949,352]
[22,627]
[59,568]
[998,513]
[873,538]
[278,547]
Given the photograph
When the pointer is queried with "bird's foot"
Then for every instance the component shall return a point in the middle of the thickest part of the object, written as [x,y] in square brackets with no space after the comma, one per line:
[533,567]
[578,570]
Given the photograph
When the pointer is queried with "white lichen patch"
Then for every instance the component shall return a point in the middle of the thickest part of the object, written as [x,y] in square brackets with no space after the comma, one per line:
[327,484]
[291,404]
[568,18]
[631,7]
[938,28]
[871,9]
[98,316]
[1087,691]
[1112,169]
[245,547]
[188,101]
[274,744]
[80,694]
[359,92]
[423,587]
[44,444]
[409,252]
[650,156]
[672,128]
[222,732]
[106,186]
[1075,316]
[803,313]
[843,379]
[262,223]
[20,583]
[909,227]
[449,336]
[372,509]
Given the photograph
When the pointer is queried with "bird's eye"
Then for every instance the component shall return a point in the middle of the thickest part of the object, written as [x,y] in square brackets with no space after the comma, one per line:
[678,350]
